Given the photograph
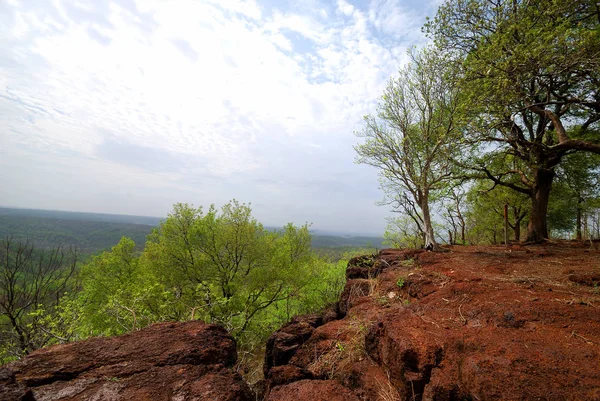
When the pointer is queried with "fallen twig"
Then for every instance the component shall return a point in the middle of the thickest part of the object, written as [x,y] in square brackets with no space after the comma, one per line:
[573,334]
[461,315]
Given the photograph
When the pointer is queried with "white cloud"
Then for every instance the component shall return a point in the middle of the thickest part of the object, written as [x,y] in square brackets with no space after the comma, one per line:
[394,18]
[244,101]
[345,8]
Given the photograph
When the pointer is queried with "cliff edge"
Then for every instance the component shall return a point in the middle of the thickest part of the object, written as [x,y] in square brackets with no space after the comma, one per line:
[476,323]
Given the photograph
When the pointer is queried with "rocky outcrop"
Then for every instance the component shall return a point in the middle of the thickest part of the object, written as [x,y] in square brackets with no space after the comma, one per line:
[475,323]
[166,361]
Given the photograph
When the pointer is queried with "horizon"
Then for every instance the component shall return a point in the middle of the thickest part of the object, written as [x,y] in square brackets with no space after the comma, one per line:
[128,107]
[313,230]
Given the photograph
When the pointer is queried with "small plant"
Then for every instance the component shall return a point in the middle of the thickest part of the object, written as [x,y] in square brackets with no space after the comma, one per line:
[407,263]
[400,282]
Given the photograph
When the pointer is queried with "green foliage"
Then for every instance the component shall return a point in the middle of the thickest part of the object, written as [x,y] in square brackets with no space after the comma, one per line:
[400,282]
[226,265]
[530,83]
[576,193]
[335,254]
[221,266]
[562,210]
[403,232]
[485,213]
[510,46]
[414,136]
[116,295]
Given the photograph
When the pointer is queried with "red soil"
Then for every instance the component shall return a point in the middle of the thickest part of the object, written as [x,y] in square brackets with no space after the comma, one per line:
[476,323]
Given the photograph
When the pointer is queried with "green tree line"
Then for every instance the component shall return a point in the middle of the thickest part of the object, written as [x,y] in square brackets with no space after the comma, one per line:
[219,266]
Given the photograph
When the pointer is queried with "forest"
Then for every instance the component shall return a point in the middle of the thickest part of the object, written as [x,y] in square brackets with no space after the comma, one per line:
[498,114]
[220,266]
[500,110]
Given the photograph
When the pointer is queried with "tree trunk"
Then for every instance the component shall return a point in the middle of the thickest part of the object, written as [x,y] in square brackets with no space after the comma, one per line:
[517,231]
[461,219]
[537,229]
[579,213]
[23,343]
[429,237]
[517,227]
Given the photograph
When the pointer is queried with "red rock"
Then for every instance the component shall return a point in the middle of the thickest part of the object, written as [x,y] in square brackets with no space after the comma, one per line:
[312,390]
[166,361]
[354,289]
[10,390]
[285,374]
[283,344]
[474,323]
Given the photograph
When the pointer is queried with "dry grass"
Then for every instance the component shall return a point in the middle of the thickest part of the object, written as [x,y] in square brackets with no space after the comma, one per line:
[373,286]
[386,391]
[344,352]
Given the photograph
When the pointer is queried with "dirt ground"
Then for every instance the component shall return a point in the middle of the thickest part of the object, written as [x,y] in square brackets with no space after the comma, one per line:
[473,323]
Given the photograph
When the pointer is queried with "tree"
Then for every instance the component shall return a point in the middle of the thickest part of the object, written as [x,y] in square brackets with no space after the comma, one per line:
[532,80]
[225,267]
[116,296]
[453,200]
[486,212]
[30,280]
[580,175]
[414,136]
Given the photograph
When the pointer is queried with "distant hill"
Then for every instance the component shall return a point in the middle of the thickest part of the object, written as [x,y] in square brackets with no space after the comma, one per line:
[84,216]
[95,232]
[332,241]
[89,236]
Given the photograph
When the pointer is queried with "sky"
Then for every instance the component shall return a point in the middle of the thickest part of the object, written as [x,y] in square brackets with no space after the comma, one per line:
[130,106]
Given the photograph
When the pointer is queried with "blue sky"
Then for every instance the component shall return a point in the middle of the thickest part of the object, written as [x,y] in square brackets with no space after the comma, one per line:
[130,106]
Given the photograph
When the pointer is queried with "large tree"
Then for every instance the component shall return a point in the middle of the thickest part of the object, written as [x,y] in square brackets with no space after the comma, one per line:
[532,76]
[414,135]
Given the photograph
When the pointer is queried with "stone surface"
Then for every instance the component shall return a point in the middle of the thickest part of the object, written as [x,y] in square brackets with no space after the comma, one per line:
[166,361]
[314,390]
[282,345]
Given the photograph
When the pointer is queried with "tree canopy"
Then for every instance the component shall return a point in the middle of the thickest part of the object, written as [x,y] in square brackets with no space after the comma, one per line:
[414,136]
[531,80]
